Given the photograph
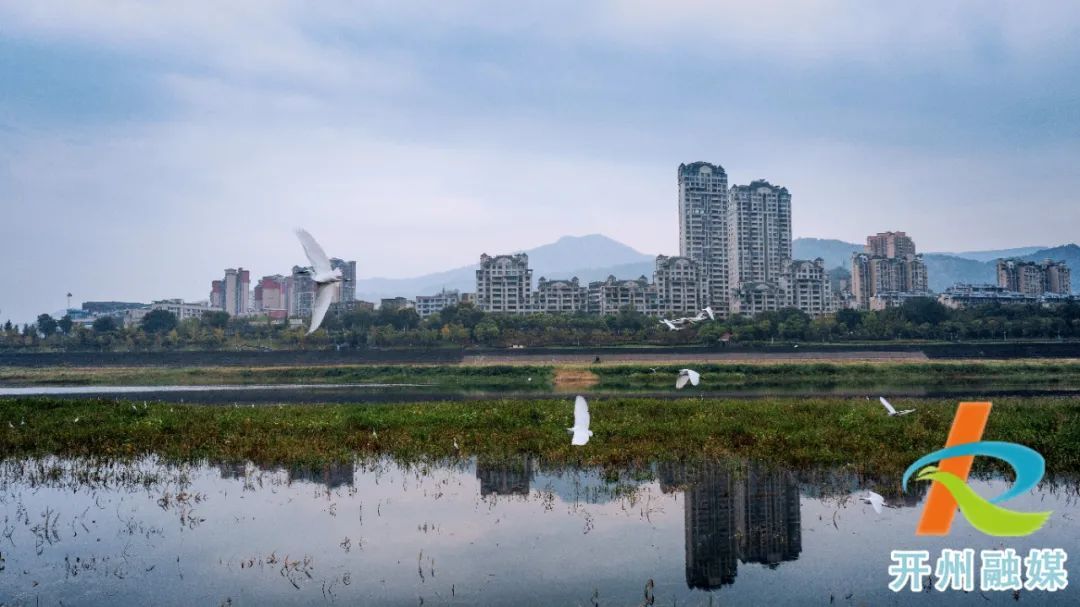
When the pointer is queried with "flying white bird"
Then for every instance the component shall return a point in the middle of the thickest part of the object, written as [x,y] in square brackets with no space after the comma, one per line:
[580,430]
[324,276]
[687,375]
[708,310]
[874,500]
[893,412]
[11,425]
[670,325]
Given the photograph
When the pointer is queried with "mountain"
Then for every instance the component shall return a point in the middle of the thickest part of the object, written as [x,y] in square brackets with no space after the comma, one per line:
[996,254]
[946,270]
[836,253]
[591,257]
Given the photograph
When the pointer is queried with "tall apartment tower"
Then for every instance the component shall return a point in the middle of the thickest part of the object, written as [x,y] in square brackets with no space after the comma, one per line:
[759,245]
[703,231]
[235,291]
[504,284]
[346,290]
[890,245]
[1034,278]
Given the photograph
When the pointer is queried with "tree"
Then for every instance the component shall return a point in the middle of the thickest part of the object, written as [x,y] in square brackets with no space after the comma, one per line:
[66,324]
[159,321]
[215,320]
[851,319]
[46,324]
[105,324]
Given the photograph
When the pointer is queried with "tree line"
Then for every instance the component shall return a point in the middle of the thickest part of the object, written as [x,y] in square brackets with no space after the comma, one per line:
[465,325]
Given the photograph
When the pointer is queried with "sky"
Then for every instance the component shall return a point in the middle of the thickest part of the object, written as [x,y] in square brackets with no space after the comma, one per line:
[145,147]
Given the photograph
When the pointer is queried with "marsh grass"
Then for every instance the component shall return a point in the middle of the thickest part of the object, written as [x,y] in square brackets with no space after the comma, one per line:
[489,377]
[843,374]
[796,433]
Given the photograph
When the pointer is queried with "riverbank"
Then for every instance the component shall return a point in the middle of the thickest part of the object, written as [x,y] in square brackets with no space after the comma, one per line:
[795,433]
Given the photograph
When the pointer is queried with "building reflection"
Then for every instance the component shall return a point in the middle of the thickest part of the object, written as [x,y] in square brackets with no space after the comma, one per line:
[331,476]
[734,512]
[505,477]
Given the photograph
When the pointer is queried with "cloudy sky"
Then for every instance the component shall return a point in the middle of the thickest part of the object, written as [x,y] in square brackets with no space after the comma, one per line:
[145,147]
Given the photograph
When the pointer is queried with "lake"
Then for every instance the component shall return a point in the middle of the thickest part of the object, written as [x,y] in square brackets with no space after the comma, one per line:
[465,532]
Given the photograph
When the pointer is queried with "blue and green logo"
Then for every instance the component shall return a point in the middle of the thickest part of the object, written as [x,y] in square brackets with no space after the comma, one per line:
[949,477]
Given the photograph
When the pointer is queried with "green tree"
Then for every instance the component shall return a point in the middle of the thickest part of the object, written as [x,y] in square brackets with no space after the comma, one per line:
[46,324]
[159,321]
[105,324]
[66,324]
[215,320]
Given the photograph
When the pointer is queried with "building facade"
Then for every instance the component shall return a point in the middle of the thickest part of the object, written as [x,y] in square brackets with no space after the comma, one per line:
[233,293]
[271,296]
[703,230]
[560,296]
[301,293]
[681,285]
[504,284]
[759,246]
[612,295]
[808,287]
[1034,278]
[890,244]
[426,305]
[346,289]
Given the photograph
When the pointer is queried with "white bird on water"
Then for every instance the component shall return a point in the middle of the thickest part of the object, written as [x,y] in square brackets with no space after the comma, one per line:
[324,276]
[580,430]
[892,411]
[687,375]
[874,500]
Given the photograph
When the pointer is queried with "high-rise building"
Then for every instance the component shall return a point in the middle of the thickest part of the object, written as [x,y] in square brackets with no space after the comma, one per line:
[560,296]
[301,292]
[272,296]
[808,288]
[1034,278]
[346,289]
[232,294]
[680,284]
[703,230]
[504,284]
[889,272]
[759,246]
[890,244]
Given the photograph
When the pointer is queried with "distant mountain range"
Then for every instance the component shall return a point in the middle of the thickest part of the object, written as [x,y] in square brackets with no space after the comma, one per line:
[595,257]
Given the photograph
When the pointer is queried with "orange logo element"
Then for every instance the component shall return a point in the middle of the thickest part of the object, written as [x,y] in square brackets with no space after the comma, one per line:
[968,427]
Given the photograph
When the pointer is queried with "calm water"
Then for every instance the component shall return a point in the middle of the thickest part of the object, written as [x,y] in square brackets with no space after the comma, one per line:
[722,533]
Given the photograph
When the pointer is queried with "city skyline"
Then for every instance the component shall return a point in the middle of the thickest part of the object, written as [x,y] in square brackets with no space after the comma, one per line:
[165,139]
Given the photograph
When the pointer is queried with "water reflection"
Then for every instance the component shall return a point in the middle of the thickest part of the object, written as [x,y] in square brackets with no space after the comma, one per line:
[512,531]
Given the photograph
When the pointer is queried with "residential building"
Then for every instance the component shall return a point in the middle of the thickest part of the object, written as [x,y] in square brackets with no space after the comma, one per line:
[232,294]
[426,305]
[703,229]
[1034,278]
[966,295]
[681,285]
[346,289]
[504,284]
[396,303]
[890,245]
[560,296]
[759,246]
[271,296]
[301,292]
[612,295]
[808,287]
[180,309]
[889,269]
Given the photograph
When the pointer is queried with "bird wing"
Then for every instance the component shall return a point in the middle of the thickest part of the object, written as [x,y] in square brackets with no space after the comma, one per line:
[708,310]
[906,411]
[681,382]
[323,296]
[888,406]
[670,325]
[695,377]
[876,501]
[581,416]
[315,254]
